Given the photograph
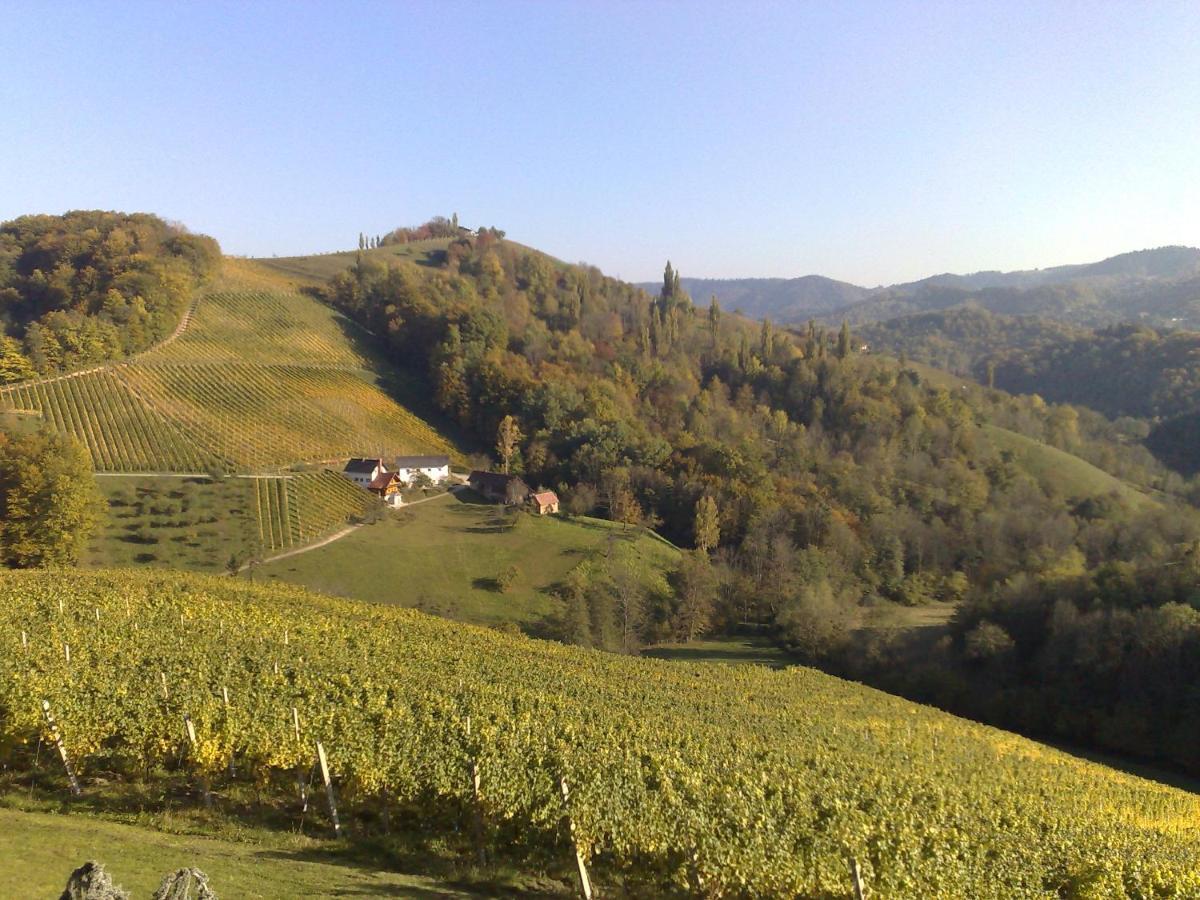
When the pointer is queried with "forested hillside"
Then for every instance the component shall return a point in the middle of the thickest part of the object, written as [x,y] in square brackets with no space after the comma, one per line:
[91,286]
[814,482]
[780,299]
[1124,371]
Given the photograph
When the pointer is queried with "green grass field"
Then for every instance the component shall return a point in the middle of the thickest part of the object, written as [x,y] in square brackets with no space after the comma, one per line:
[319,268]
[184,523]
[40,850]
[198,523]
[1061,472]
[443,556]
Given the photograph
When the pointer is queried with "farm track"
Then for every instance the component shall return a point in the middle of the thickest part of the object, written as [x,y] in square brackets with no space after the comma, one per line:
[337,535]
[184,322]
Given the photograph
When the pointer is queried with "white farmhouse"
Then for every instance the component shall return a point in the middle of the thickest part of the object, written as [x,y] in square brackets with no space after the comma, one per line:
[435,468]
[364,471]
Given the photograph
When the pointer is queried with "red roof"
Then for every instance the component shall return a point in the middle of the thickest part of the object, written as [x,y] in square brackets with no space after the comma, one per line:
[382,481]
[545,498]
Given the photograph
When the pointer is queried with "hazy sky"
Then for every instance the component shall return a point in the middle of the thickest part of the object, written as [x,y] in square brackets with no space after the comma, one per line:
[874,142]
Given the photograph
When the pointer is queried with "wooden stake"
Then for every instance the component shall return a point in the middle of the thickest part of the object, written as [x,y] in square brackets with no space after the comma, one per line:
[24,641]
[62,749]
[337,826]
[205,789]
[225,697]
[585,884]
[856,879]
[67,652]
[163,678]
[97,615]
[476,807]
[300,785]
[60,606]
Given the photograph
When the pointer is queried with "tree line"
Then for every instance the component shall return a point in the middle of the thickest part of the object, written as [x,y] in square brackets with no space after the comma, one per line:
[92,286]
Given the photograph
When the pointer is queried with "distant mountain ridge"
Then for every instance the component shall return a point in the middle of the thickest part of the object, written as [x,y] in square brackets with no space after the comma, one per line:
[1160,286]
[784,299]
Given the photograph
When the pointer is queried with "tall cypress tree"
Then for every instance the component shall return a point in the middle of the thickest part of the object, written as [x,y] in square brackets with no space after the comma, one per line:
[843,344]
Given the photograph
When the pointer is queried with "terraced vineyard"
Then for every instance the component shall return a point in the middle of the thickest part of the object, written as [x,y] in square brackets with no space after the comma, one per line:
[257,382]
[709,780]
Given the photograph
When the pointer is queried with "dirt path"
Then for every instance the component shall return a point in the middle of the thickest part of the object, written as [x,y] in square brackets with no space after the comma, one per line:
[337,535]
[296,551]
[116,363]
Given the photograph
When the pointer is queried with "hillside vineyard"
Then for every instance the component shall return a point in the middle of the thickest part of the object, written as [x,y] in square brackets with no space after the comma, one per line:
[754,782]
[257,381]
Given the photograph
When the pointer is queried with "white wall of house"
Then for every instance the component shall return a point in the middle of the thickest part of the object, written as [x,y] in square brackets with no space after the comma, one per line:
[362,479]
[437,474]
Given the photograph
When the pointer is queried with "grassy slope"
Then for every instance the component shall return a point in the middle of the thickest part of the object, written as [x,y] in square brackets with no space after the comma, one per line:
[184,523]
[442,555]
[1061,472]
[1055,469]
[40,850]
[194,523]
[320,267]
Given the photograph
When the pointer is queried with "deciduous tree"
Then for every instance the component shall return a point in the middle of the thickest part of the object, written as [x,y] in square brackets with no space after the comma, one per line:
[507,439]
[49,502]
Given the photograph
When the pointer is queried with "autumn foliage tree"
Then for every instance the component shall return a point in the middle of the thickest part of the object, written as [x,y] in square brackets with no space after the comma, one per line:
[49,502]
[508,437]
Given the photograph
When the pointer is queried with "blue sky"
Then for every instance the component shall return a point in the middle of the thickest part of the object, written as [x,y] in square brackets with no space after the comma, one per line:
[874,142]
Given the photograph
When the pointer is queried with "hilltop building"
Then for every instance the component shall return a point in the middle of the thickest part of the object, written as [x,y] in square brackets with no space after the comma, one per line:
[498,487]
[544,503]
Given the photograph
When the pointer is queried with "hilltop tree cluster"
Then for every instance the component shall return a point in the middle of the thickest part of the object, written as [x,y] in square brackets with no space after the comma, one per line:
[92,286]
[839,483]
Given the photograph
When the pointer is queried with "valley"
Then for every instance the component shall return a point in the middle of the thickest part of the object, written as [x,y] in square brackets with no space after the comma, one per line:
[859,512]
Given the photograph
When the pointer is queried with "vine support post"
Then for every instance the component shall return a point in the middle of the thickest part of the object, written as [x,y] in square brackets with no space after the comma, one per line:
[299,768]
[205,787]
[333,813]
[585,883]
[76,790]
[225,698]
[476,807]
[856,879]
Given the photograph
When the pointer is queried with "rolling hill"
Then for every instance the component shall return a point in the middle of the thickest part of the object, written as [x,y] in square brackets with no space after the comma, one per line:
[257,381]
[1159,286]
[676,771]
